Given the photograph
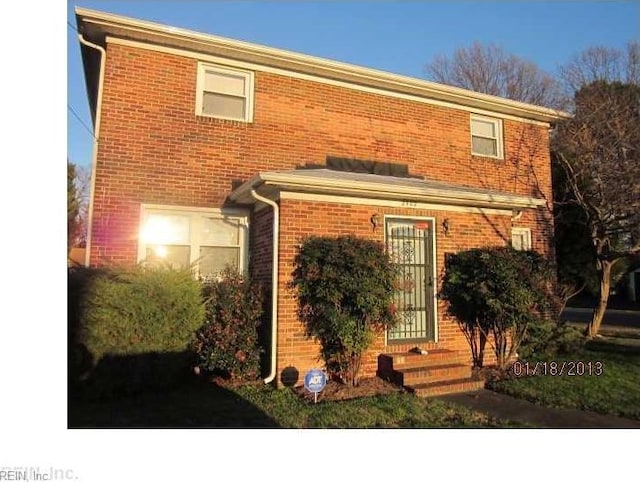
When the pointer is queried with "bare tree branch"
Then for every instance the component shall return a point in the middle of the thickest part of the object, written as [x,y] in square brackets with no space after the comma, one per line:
[599,151]
[491,70]
[602,64]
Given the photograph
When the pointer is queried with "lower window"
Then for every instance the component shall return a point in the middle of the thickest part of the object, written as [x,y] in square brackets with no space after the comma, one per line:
[521,239]
[207,240]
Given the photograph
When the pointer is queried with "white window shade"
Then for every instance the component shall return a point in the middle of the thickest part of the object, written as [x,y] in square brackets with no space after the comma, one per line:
[219,232]
[483,129]
[225,83]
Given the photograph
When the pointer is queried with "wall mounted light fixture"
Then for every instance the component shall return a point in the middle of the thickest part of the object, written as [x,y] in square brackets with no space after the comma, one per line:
[374,220]
[516,215]
[446,226]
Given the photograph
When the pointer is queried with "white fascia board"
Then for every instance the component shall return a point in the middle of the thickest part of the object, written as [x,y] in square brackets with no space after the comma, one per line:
[110,24]
[456,196]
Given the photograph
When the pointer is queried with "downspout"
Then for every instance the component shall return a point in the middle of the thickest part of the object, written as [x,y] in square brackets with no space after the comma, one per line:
[274,282]
[96,137]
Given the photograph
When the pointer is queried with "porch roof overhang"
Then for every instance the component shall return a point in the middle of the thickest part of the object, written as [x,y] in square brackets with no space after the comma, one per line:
[339,183]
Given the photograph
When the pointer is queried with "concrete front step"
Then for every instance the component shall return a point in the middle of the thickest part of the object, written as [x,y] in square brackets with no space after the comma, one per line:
[432,389]
[417,375]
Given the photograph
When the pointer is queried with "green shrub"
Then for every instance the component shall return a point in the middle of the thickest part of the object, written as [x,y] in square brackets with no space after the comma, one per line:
[497,294]
[135,326]
[549,338]
[227,344]
[142,310]
[345,289]
[80,361]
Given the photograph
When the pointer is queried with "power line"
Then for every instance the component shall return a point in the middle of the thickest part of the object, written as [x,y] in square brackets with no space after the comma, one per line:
[72,26]
[75,114]
[81,121]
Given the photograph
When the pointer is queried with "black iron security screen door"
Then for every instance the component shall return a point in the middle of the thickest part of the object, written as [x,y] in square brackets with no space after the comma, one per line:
[410,244]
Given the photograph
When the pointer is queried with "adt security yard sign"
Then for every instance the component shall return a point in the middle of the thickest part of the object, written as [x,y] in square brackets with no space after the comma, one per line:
[314,381]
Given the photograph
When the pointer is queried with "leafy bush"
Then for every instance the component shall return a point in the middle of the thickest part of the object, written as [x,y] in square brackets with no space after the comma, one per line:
[345,290]
[134,326]
[80,361]
[550,338]
[496,294]
[227,344]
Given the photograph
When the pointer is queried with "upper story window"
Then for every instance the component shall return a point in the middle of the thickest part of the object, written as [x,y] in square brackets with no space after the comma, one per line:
[224,93]
[486,137]
[207,240]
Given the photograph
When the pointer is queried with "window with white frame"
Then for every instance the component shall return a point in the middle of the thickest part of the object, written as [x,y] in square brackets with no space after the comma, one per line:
[225,93]
[209,240]
[521,239]
[486,136]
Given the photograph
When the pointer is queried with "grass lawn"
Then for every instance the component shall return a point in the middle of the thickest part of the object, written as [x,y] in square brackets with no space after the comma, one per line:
[207,405]
[615,392]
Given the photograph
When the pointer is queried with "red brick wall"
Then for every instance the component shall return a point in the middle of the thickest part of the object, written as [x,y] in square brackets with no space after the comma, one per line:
[261,246]
[260,265]
[302,218]
[153,149]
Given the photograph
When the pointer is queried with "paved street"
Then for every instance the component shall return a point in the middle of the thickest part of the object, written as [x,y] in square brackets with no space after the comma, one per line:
[624,318]
[624,323]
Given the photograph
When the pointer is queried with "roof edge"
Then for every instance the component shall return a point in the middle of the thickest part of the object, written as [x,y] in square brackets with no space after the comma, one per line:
[165,35]
[287,181]
[244,190]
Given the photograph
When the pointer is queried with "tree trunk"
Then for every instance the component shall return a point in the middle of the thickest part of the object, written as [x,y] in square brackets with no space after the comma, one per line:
[598,313]
[482,343]
[356,361]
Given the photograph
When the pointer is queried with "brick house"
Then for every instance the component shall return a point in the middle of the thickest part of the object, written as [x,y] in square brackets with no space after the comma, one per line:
[214,151]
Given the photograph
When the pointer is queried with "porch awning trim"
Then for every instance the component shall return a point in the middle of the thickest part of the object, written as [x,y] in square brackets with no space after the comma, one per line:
[325,181]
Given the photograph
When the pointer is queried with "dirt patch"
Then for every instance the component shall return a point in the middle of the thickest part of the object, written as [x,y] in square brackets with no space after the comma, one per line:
[335,391]
[368,387]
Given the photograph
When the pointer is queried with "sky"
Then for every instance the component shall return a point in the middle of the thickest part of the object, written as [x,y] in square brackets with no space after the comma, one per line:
[42,81]
[397,37]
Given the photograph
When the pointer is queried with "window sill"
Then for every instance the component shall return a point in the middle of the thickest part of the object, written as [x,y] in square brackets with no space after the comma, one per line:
[484,156]
[227,119]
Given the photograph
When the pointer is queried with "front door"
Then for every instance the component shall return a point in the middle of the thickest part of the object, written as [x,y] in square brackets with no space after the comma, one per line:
[410,243]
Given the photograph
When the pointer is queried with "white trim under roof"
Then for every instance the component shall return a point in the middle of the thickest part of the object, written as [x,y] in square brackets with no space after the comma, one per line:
[325,181]
[97,26]
[390,203]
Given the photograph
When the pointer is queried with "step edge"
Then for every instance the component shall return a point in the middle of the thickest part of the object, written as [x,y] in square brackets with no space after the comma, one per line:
[433,367]
[443,383]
